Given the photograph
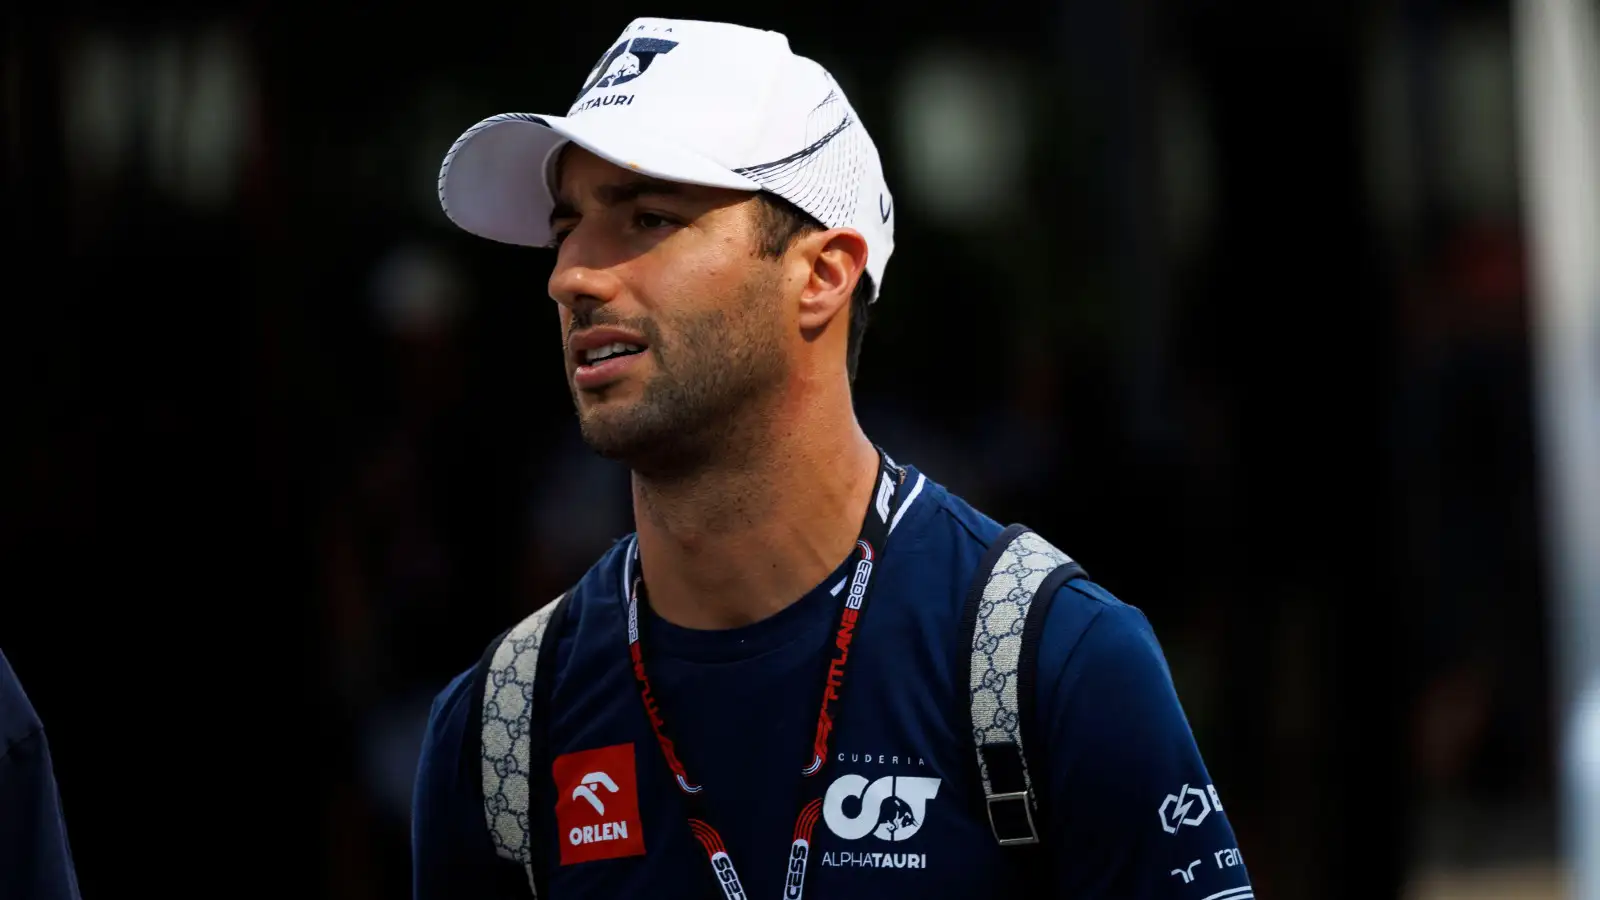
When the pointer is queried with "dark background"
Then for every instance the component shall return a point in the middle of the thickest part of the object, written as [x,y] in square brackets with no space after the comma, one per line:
[1227,299]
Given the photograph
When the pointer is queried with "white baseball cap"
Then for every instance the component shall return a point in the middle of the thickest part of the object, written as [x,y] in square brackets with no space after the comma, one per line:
[695,102]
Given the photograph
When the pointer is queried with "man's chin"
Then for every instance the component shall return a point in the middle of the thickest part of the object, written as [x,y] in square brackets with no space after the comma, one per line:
[644,444]
[614,432]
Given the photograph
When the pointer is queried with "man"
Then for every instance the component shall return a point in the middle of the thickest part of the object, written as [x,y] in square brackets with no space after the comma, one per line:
[720,225]
[35,858]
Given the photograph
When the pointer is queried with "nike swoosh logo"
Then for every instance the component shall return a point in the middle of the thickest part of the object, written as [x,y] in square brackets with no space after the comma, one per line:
[885,210]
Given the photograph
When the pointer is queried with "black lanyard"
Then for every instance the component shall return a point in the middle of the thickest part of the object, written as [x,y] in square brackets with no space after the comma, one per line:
[852,607]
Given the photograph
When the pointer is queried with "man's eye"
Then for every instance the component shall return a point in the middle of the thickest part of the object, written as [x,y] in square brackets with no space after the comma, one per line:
[651,221]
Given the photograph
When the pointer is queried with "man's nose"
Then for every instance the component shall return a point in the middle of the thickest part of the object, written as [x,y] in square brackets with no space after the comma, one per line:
[576,283]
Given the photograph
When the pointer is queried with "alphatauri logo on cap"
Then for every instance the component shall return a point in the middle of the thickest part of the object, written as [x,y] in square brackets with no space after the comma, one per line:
[623,63]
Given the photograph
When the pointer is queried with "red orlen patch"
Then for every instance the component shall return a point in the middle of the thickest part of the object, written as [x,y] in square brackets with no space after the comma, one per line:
[597,804]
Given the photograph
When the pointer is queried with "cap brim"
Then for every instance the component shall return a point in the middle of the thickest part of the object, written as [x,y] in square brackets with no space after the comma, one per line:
[493,181]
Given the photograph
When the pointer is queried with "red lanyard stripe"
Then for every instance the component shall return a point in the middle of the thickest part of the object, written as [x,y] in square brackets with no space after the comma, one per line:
[653,709]
[836,667]
[800,851]
[708,837]
[875,530]
[807,820]
[721,862]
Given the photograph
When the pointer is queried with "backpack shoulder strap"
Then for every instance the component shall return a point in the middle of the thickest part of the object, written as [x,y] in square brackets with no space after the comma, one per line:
[513,746]
[1004,615]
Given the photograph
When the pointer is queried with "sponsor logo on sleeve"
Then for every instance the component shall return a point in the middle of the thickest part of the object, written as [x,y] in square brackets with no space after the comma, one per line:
[1189,806]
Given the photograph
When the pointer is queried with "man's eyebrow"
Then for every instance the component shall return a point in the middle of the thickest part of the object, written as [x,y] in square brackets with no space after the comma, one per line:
[617,194]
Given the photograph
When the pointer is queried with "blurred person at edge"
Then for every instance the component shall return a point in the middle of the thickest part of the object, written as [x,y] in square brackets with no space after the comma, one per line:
[35,857]
[720,225]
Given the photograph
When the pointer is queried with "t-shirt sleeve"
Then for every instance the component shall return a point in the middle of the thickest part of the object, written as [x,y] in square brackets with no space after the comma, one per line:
[1133,814]
[35,857]
[450,851]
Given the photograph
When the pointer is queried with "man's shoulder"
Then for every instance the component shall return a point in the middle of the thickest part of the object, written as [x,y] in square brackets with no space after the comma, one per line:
[592,597]
[956,524]
[453,711]
[600,587]
[18,720]
[448,719]
[954,528]
[1092,644]
[946,514]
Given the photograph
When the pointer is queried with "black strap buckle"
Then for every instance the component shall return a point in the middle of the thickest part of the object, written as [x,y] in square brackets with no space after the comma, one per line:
[1011,818]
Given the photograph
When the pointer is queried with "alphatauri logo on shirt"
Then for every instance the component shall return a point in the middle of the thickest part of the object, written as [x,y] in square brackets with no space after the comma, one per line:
[891,808]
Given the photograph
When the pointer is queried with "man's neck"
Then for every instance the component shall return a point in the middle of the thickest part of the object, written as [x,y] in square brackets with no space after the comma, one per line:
[734,544]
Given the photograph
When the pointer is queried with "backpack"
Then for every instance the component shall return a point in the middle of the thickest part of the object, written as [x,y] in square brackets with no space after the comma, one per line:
[1004,613]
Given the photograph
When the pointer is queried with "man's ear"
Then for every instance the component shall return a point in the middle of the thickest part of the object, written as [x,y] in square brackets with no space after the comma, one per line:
[838,259]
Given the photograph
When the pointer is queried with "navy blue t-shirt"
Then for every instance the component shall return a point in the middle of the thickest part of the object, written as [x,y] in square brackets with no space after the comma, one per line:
[35,859]
[1130,811]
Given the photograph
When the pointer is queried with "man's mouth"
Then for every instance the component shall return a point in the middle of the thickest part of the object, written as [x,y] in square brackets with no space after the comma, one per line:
[603,356]
[609,351]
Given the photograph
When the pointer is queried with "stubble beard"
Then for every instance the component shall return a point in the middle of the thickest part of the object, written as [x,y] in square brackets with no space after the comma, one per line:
[704,401]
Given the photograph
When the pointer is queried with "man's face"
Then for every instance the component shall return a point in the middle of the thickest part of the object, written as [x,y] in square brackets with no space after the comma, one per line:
[671,322]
